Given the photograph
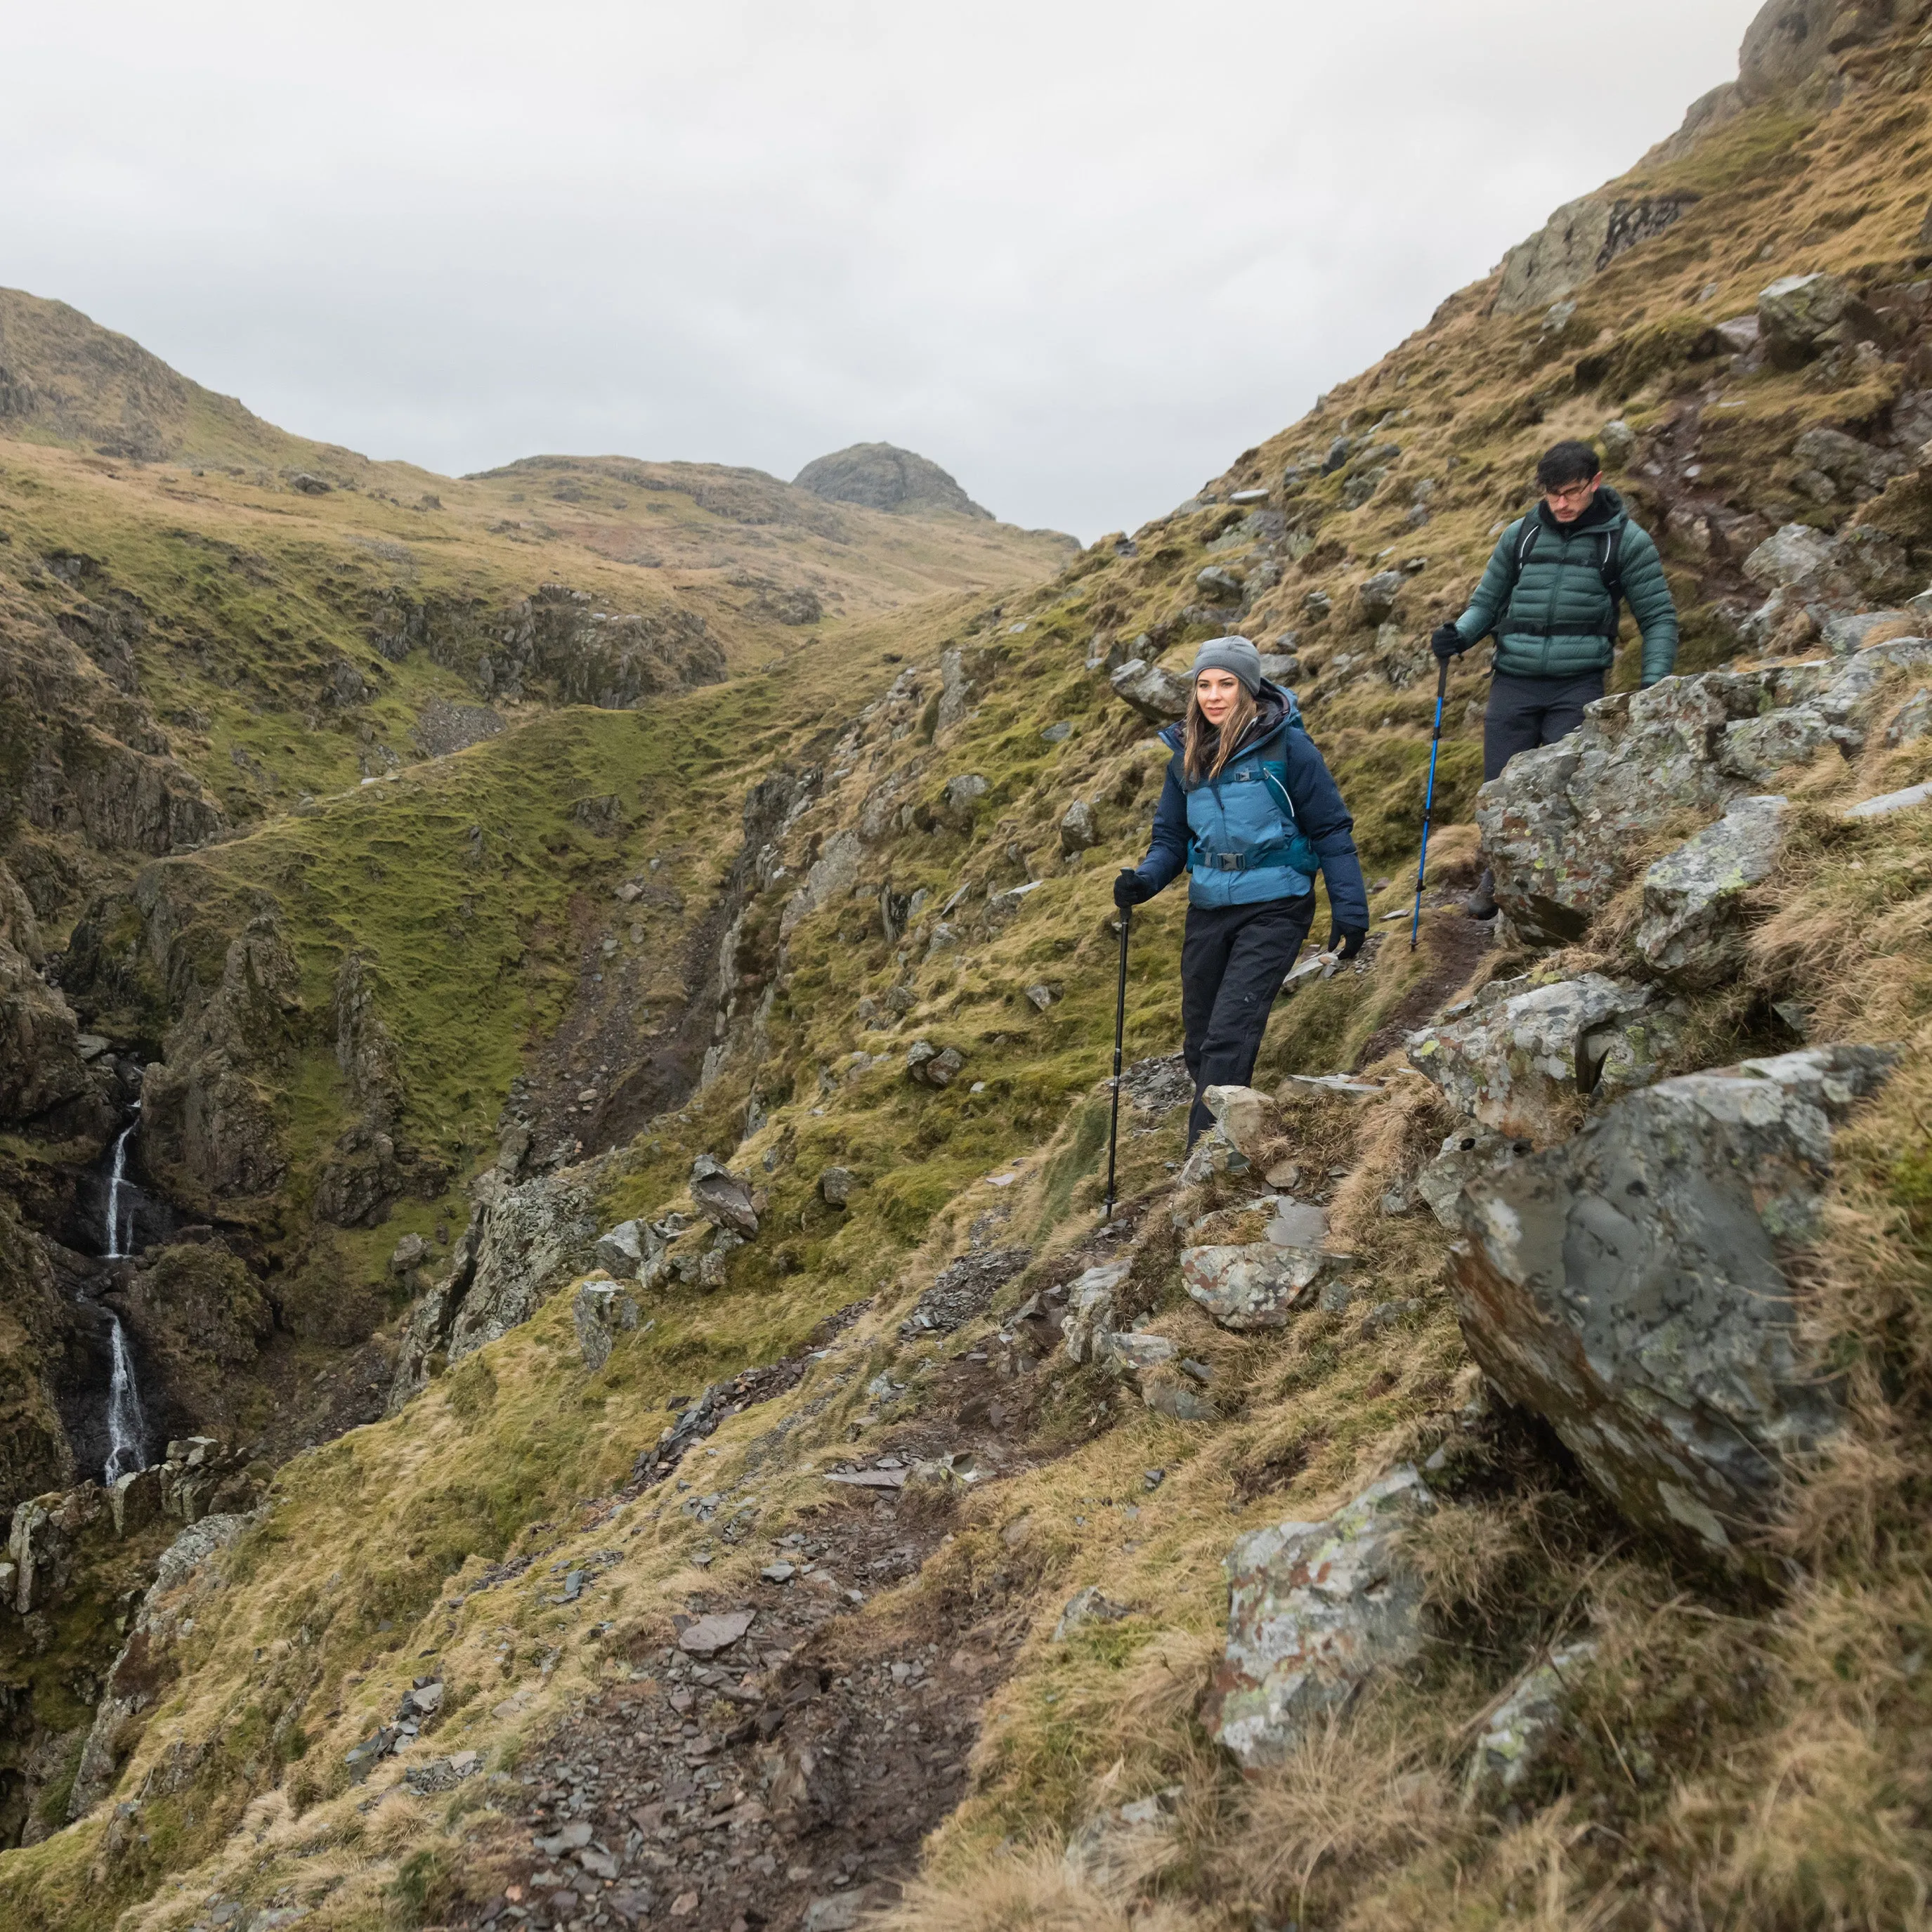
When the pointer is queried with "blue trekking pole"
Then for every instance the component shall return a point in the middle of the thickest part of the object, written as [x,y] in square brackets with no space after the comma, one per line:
[1428,801]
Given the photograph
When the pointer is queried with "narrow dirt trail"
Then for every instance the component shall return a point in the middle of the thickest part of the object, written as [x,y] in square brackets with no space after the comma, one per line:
[782,1762]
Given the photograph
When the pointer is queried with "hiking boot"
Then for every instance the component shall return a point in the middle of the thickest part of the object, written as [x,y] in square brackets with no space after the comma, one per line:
[1481,904]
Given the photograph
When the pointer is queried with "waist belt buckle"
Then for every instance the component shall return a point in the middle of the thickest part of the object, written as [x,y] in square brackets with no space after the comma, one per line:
[1227,862]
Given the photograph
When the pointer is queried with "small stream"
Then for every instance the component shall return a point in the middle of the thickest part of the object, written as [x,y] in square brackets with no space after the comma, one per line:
[127,1423]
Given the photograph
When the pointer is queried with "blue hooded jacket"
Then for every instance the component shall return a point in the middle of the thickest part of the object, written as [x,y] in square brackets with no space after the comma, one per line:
[1208,828]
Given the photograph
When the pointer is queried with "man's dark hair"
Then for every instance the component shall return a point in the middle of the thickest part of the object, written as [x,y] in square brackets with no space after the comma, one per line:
[1571,462]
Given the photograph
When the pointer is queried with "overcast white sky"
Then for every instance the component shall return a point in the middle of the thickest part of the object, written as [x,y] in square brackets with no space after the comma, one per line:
[1079,253]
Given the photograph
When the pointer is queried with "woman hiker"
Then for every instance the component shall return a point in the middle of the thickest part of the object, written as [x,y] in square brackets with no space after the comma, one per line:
[1249,809]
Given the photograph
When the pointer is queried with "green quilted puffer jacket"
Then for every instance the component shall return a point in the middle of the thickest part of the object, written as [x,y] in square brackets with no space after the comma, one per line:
[1550,610]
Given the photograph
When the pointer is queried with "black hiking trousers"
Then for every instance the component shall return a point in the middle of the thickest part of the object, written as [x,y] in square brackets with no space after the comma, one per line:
[1526,711]
[1233,960]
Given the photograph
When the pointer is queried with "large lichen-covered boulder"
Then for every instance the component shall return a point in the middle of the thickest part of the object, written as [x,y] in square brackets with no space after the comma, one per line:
[1251,1286]
[1631,1287]
[1522,1061]
[1561,824]
[1692,932]
[1314,1610]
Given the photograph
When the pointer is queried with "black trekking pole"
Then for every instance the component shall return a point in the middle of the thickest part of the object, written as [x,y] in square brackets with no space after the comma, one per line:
[1120,1034]
[1429,799]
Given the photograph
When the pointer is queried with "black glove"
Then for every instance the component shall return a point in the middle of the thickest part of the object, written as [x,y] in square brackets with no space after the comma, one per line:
[1345,941]
[1130,889]
[1446,641]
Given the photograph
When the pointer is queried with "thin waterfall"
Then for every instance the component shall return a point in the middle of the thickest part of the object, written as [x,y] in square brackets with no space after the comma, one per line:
[126,1426]
[117,1183]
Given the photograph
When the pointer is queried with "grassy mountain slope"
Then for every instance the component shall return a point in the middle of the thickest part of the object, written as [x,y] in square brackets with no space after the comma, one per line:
[1738,1756]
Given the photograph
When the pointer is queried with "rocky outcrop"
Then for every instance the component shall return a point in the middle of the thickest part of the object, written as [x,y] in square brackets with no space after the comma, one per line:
[201,1318]
[1524,1058]
[1315,1609]
[554,643]
[35,1456]
[209,1127]
[521,1244]
[881,476]
[40,1068]
[602,1310]
[149,1662]
[1581,239]
[1630,1286]
[1560,825]
[1692,933]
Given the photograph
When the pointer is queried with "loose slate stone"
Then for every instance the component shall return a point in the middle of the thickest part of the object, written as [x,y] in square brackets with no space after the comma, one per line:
[718,1630]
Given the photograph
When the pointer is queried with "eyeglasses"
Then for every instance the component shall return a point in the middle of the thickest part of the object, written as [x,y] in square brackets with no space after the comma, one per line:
[1573,493]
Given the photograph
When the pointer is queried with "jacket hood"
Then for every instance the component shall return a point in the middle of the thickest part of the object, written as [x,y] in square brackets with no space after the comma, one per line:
[1606,509]
[1273,704]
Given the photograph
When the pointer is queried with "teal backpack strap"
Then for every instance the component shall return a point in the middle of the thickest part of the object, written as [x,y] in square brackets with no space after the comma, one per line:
[1301,853]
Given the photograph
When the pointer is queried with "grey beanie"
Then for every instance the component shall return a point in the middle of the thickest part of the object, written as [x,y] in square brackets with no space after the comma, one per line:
[1234,654]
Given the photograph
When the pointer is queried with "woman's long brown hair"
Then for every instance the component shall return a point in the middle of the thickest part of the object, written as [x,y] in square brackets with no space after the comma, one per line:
[1202,742]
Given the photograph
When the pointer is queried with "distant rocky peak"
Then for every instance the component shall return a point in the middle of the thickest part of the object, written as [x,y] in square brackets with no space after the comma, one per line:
[881,476]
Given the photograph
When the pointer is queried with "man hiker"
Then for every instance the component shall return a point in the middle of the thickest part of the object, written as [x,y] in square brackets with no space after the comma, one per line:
[1550,596]
[1249,812]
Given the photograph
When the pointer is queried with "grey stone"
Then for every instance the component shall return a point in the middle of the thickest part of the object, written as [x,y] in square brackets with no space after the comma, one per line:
[1857,468]
[1219,584]
[1883,807]
[1523,1059]
[723,1198]
[1523,1727]
[1130,1351]
[1213,1153]
[1314,1610]
[1158,695]
[706,1636]
[602,1310]
[1090,1605]
[1113,1853]
[1090,1309]
[1631,1287]
[1798,316]
[963,1290]
[963,792]
[407,1253]
[933,1065]
[1692,932]
[1790,555]
[1619,443]
[1057,734]
[1245,1116]
[1297,1224]
[1040,996]
[1316,605]
[1559,826]
[1862,629]
[1167,1392]
[1375,597]
[1911,721]
[834,1187]
[1078,831]
[620,1251]
[835,871]
[955,688]
[1253,1287]
[1280,667]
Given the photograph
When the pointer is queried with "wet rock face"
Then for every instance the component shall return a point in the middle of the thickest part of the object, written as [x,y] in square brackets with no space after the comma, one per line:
[1315,1608]
[1630,1287]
